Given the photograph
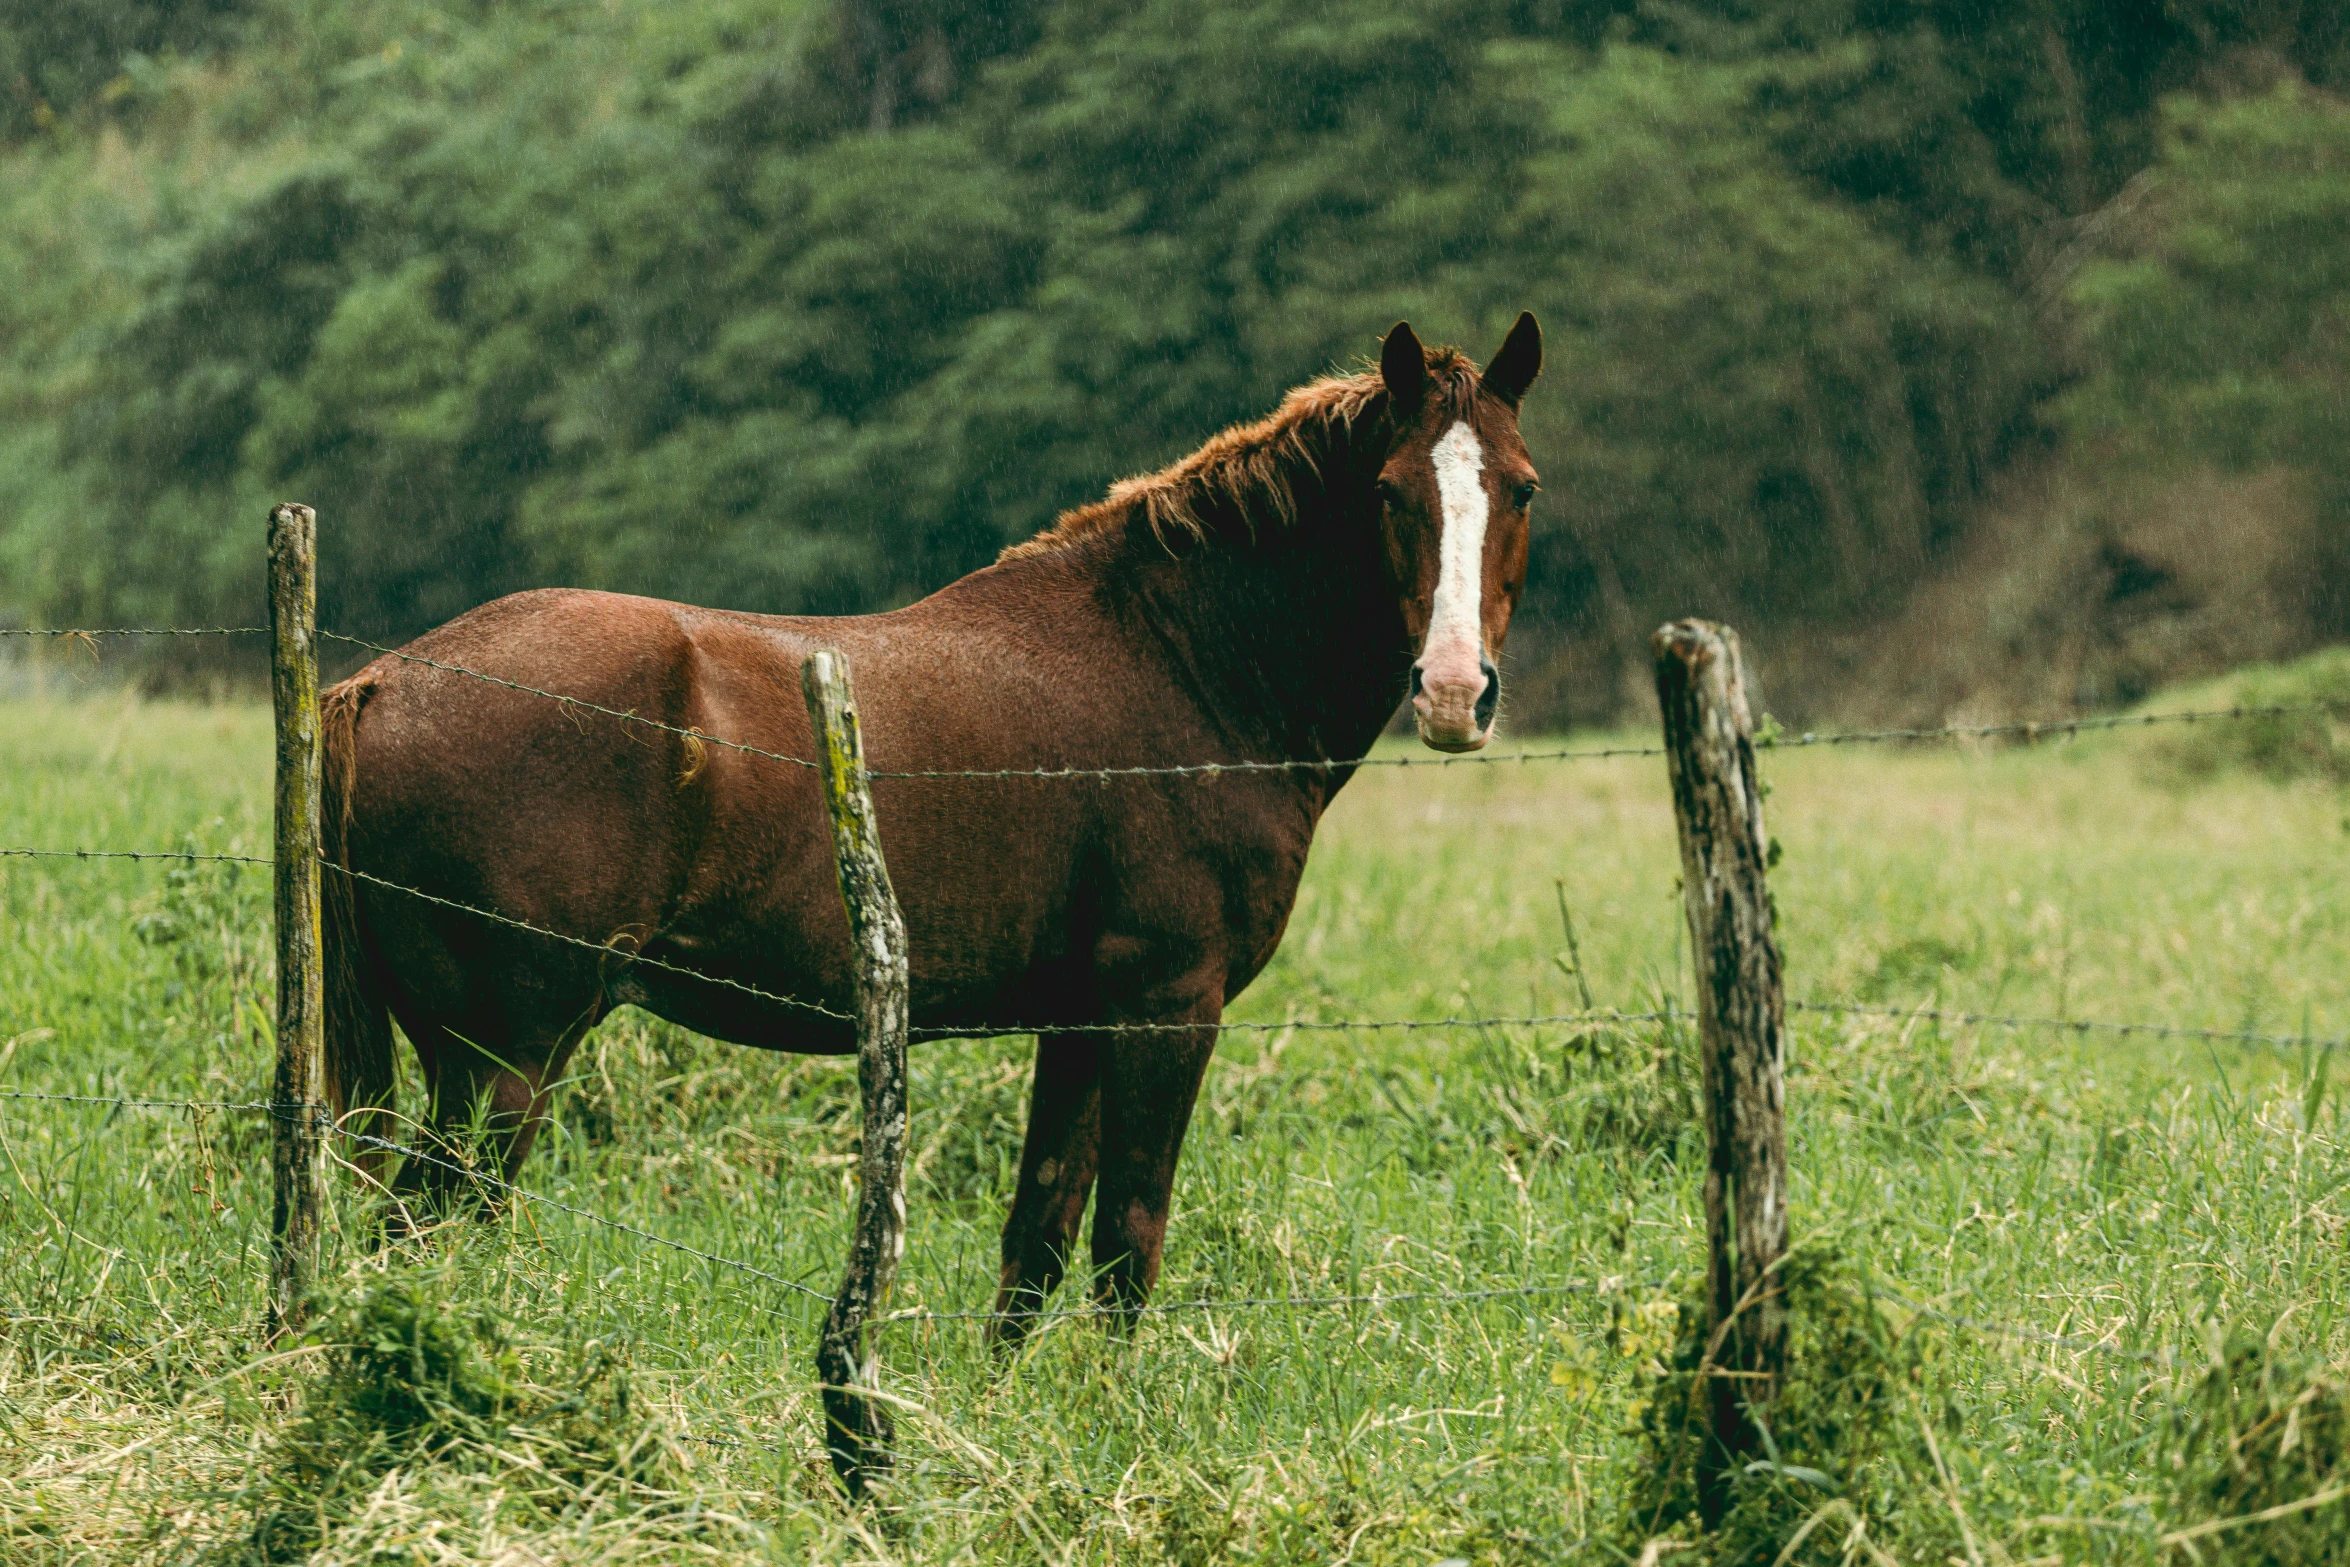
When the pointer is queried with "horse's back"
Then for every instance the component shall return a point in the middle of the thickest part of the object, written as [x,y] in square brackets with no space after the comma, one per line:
[693,824]
[715,854]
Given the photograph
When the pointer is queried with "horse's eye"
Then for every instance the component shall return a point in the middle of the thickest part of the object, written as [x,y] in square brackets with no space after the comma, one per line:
[1526,494]
[1390,493]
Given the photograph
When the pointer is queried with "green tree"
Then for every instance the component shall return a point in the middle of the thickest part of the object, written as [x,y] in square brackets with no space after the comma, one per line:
[815,307]
[2225,337]
[58,56]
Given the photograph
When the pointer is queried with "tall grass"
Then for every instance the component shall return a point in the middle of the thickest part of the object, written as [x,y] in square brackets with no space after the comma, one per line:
[2104,1212]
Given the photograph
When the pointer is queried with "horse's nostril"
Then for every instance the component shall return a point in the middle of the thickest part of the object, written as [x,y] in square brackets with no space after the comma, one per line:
[1490,698]
[1415,680]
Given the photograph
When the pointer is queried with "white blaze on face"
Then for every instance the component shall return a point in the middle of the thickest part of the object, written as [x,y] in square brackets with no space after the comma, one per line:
[1456,624]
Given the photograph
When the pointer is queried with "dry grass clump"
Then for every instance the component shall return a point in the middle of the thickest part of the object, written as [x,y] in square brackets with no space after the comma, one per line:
[419,1399]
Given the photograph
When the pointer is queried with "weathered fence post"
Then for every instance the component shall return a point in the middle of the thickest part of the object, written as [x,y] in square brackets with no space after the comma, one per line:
[856,1428]
[301,988]
[1709,750]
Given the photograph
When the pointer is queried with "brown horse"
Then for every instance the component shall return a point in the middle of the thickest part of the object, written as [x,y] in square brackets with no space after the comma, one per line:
[1269,598]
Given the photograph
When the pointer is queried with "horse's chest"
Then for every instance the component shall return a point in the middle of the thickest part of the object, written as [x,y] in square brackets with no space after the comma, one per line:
[1225,871]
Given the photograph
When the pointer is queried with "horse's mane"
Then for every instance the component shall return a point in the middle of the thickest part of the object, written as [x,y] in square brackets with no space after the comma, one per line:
[1253,470]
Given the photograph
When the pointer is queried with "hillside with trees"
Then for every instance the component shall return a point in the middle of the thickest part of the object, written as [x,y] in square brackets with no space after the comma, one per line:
[1883,329]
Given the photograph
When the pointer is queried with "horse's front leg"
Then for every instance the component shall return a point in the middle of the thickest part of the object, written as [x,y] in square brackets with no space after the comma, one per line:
[1056,1174]
[1150,1079]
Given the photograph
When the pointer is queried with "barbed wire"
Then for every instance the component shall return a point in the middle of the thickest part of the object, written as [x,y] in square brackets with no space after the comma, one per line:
[1605,1015]
[130,854]
[581,941]
[2027,729]
[1298,765]
[1038,1317]
[122,1103]
[2068,1025]
[2033,729]
[1591,1017]
[133,631]
[1016,1030]
[1600,1016]
[1310,1025]
[924,1314]
[1041,1317]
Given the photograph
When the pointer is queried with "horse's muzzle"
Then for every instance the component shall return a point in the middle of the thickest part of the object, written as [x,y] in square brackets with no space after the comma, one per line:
[1453,706]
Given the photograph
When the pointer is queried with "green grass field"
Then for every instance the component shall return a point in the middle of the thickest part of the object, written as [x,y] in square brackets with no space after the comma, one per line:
[602,1398]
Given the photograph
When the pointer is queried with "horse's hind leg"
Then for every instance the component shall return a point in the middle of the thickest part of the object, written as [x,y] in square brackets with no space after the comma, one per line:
[1056,1173]
[1149,1082]
[489,1099]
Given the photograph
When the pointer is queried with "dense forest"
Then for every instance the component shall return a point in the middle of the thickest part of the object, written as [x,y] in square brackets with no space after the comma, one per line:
[801,305]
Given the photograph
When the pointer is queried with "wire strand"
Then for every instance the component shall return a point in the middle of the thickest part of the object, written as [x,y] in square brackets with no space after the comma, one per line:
[1036,1318]
[133,631]
[2027,729]
[120,1102]
[2069,1025]
[129,854]
[582,941]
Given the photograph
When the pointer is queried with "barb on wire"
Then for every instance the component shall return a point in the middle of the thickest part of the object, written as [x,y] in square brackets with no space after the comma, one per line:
[133,631]
[2069,1024]
[127,854]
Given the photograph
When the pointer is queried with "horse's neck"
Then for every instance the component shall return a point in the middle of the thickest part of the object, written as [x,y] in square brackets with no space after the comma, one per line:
[1292,647]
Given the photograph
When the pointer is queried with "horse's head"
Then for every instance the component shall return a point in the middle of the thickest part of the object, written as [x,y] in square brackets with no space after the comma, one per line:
[1453,497]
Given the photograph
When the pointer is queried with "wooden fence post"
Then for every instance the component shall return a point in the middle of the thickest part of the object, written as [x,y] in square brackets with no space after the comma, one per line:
[301,988]
[856,1427]
[1709,750]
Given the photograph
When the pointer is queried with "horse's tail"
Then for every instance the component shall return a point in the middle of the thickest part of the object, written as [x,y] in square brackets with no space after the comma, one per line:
[361,1072]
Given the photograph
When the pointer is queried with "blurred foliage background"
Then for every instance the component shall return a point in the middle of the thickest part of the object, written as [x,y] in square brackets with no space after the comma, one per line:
[1965,355]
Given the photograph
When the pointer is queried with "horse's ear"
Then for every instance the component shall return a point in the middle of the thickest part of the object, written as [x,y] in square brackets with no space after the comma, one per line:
[1517,364]
[1403,365]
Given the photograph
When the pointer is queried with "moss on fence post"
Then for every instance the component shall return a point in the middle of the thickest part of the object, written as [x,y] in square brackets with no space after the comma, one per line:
[301,988]
[856,1428]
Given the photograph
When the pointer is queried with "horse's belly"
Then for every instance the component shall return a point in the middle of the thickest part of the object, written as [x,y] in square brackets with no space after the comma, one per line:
[991,943]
